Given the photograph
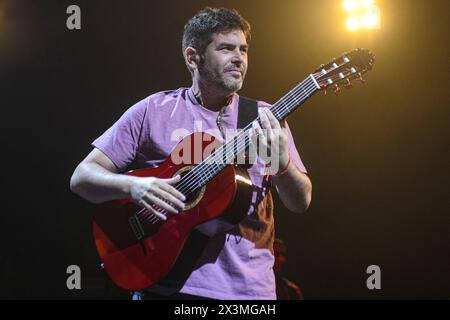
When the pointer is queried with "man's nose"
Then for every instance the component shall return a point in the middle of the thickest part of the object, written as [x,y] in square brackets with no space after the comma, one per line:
[238,57]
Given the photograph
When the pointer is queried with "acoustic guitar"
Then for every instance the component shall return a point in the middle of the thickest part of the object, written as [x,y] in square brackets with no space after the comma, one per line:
[138,248]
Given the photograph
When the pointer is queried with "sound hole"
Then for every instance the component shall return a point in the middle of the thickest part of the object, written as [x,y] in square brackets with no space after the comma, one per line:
[194,197]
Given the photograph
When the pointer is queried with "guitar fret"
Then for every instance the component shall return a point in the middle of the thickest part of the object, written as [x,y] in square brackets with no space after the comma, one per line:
[229,152]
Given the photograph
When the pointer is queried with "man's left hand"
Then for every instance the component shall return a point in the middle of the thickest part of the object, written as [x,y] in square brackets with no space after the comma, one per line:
[273,137]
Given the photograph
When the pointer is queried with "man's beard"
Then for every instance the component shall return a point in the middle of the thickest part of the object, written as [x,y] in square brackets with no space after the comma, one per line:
[220,80]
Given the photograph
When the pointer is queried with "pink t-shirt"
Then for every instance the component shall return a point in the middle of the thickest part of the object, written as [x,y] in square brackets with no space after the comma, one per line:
[235,265]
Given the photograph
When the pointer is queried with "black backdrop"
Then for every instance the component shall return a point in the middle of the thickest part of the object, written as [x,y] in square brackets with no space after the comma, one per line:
[377,155]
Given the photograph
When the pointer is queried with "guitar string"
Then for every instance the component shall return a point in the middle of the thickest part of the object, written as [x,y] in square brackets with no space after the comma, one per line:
[240,141]
[279,110]
[235,142]
[282,109]
[185,182]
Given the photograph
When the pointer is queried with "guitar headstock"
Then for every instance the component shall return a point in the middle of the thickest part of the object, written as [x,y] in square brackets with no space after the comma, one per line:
[342,71]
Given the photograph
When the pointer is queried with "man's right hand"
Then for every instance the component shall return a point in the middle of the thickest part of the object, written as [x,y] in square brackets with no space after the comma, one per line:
[148,192]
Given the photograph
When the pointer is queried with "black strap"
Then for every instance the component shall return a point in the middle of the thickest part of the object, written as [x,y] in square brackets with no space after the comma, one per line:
[247,111]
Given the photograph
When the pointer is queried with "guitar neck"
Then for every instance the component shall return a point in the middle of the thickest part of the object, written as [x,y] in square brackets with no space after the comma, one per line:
[229,152]
[294,98]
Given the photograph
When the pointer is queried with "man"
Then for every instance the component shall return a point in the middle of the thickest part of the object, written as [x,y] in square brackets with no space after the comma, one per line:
[286,289]
[235,265]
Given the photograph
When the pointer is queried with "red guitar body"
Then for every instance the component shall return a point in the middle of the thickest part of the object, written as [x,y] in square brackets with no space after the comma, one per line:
[138,250]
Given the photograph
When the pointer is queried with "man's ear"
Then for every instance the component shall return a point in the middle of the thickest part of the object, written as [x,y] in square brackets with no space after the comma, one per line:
[191,58]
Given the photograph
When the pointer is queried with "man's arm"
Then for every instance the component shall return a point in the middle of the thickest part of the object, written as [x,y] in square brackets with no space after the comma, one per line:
[294,188]
[96,180]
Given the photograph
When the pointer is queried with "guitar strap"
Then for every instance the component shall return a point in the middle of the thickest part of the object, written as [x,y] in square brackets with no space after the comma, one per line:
[247,112]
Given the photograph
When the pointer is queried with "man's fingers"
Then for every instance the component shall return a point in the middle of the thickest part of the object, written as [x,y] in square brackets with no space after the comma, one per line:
[257,129]
[160,203]
[166,184]
[167,196]
[264,119]
[258,136]
[150,208]
[172,180]
[266,124]
[174,193]
[274,123]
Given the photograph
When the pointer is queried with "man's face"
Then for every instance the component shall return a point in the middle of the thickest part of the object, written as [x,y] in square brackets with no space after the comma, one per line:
[225,61]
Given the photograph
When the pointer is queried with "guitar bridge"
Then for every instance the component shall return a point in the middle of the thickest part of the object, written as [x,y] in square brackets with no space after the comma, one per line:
[136,226]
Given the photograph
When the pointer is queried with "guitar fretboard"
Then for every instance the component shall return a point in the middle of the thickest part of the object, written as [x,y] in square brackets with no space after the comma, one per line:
[229,152]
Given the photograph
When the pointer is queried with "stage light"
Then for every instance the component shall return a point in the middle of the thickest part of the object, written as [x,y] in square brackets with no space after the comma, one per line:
[362,14]
[371,20]
[350,5]
[352,24]
[366,3]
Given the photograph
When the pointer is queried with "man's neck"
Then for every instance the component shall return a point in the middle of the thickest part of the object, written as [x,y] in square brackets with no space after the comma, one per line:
[211,99]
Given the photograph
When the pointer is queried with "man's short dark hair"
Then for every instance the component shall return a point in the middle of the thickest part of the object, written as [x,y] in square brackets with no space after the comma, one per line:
[199,29]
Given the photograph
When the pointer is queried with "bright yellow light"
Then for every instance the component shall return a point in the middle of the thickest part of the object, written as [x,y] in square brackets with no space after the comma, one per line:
[370,20]
[362,14]
[352,24]
[350,5]
[366,3]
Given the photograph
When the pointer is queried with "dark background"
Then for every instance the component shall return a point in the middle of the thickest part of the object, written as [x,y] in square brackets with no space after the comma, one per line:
[377,155]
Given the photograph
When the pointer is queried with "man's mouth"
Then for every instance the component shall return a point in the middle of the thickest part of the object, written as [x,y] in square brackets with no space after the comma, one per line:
[235,72]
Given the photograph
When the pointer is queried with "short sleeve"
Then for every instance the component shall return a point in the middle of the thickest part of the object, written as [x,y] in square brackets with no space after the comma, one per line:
[293,152]
[120,142]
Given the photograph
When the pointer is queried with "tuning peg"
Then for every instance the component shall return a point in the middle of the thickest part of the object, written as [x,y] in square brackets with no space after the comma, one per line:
[360,79]
[348,84]
[336,89]
[322,69]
